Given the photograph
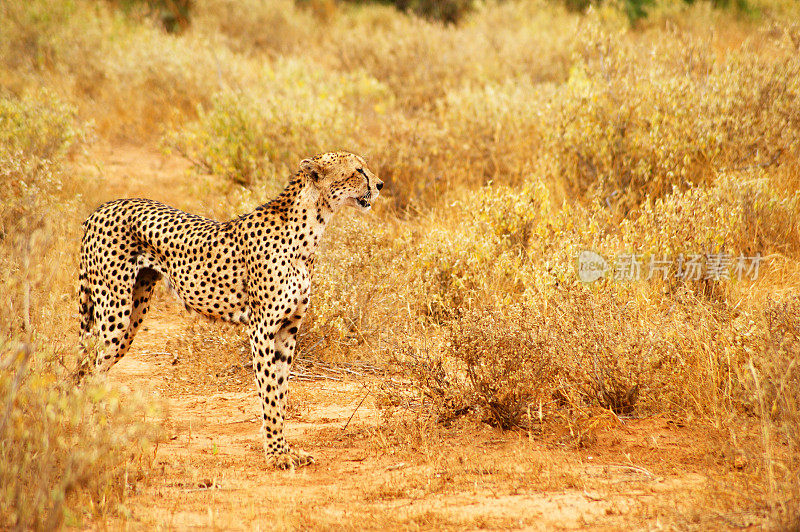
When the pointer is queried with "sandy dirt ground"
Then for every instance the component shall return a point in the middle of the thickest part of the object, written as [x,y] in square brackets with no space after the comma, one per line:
[210,472]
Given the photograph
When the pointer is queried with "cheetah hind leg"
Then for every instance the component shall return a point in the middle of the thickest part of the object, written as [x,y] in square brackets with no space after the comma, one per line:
[119,318]
[146,281]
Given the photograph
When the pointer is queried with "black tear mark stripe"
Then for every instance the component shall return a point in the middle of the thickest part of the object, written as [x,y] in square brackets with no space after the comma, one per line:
[369,188]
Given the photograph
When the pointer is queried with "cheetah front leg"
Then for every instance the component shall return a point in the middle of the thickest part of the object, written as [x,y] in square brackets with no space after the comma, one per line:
[271,369]
[285,348]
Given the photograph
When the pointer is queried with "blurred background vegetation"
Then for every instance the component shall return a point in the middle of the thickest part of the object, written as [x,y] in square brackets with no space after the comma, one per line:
[511,136]
[176,15]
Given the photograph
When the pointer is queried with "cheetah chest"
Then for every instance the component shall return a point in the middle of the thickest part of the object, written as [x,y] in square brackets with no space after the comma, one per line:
[291,298]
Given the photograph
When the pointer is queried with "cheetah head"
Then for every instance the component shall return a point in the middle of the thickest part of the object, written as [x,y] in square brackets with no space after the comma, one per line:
[343,179]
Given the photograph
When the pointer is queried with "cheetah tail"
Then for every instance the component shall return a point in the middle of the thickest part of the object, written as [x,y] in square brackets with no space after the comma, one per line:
[86,305]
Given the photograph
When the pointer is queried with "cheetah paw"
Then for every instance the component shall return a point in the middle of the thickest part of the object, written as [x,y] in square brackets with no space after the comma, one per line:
[290,459]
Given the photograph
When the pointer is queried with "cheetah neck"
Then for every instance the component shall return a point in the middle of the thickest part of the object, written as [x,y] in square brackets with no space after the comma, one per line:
[304,212]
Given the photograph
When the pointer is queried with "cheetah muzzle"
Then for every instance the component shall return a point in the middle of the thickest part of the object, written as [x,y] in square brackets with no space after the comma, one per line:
[255,270]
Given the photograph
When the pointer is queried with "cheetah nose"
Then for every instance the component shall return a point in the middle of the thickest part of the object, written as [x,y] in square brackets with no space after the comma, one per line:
[379,185]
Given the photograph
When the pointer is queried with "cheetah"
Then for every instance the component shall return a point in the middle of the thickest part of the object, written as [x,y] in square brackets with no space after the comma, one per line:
[254,270]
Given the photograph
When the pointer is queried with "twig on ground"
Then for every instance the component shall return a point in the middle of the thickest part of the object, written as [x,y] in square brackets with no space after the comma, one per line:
[356,410]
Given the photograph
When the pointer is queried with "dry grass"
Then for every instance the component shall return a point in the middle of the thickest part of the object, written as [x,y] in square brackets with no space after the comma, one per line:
[509,143]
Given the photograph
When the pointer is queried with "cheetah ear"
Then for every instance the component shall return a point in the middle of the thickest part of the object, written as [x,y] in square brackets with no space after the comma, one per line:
[312,169]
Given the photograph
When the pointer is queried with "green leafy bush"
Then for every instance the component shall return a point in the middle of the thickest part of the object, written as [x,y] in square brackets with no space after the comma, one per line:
[36,132]
[37,126]
[298,110]
[734,217]
[624,137]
